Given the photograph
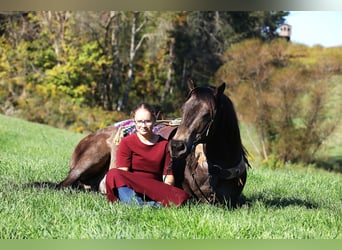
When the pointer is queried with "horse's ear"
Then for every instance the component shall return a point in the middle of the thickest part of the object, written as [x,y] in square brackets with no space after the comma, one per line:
[220,89]
[191,84]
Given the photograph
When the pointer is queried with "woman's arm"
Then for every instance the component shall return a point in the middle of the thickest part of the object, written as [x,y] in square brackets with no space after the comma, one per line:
[123,156]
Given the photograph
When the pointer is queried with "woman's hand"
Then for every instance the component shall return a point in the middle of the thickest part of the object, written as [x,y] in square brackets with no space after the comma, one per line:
[123,168]
[169,179]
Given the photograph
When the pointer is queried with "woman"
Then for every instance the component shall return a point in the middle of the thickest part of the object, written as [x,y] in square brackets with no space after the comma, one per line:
[142,175]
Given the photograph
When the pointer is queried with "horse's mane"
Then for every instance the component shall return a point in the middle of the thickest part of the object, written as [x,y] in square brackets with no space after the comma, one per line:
[227,115]
[226,101]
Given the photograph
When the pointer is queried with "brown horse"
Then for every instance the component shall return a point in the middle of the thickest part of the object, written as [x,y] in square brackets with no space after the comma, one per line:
[208,140]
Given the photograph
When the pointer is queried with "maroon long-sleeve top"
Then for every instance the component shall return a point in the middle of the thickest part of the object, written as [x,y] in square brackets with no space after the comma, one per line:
[147,164]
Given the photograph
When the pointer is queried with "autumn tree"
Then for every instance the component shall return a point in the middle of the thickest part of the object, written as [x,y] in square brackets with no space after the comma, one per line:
[202,37]
[15,64]
[286,93]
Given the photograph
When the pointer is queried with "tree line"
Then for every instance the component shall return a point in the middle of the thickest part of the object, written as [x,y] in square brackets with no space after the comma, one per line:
[112,58]
[84,69]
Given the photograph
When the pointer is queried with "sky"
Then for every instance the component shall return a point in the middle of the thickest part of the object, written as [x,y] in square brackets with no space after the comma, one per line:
[316,27]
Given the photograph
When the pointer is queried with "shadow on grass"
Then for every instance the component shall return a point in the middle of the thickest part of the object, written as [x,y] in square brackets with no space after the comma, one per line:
[276,201]
[333,164]
[44,184]
[54,186]
[263,198]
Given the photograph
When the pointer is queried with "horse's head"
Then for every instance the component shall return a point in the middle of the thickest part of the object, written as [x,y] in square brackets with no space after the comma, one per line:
[198,116]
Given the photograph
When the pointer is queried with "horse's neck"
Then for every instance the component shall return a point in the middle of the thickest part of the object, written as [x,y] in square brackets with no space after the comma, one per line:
[224,154]
[225,146]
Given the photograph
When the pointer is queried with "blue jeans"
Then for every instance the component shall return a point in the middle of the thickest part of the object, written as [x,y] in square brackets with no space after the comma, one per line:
[130,197]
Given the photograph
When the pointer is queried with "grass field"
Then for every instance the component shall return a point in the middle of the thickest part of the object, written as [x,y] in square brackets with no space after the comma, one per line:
[291,203]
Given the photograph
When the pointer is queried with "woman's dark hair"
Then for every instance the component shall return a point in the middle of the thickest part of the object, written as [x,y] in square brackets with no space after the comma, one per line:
[144,105]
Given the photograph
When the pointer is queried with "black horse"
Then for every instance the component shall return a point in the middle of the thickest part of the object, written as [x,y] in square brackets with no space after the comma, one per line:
[208,144]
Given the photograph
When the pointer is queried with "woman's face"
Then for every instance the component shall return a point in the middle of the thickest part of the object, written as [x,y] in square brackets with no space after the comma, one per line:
[144,121]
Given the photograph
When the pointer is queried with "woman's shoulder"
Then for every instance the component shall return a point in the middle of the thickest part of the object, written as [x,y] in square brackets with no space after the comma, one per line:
[129,138]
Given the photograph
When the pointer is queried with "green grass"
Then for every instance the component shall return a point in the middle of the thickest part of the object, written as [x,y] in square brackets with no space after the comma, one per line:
[292,203]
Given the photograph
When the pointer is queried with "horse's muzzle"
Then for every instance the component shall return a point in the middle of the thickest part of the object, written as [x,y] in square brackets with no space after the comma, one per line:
[178,149]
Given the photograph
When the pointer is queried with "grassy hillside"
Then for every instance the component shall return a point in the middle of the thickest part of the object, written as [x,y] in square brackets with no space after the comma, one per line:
[33,151]
[293,203]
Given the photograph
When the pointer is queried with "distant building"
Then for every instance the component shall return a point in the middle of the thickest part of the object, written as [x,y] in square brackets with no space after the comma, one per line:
[285,31]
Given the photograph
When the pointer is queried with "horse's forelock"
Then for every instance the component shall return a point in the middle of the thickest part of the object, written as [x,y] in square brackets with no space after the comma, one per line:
[205,95]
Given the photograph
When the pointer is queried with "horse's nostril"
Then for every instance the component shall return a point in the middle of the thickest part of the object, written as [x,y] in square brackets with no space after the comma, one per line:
[178,148]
